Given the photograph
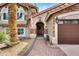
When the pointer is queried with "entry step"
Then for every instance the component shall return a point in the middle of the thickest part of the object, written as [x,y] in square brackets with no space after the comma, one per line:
[39,37]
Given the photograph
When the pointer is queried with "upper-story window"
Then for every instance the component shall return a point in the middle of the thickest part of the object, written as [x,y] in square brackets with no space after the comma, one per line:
[5,16]
[20,13]
[4,13]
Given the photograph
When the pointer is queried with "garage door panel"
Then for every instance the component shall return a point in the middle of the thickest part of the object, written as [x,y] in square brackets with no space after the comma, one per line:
[68,33]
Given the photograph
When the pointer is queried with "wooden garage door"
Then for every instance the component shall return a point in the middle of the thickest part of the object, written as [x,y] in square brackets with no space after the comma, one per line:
[68,33]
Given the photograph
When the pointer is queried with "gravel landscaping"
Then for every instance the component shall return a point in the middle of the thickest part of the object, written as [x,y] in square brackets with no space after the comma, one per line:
[13,51]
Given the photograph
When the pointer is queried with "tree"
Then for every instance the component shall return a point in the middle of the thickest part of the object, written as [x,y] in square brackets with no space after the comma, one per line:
[13,23]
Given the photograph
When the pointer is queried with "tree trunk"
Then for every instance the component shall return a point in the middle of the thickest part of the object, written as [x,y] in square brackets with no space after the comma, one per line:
[13,23]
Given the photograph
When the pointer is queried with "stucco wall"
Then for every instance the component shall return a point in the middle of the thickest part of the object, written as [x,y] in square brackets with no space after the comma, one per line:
[18,22]
[37,18]
[69,15]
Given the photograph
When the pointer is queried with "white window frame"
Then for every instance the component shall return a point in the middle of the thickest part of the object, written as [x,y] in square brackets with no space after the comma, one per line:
[60,22]
[20,19]
[20,11]
[4,10]
[23,33]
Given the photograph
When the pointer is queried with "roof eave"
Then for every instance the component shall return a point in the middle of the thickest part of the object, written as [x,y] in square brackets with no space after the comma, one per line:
[47,18]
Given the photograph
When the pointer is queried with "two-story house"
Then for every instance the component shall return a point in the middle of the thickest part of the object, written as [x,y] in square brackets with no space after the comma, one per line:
[22,15]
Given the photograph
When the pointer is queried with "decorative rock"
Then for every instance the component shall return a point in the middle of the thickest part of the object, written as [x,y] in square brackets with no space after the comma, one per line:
[14,50]
[3,45]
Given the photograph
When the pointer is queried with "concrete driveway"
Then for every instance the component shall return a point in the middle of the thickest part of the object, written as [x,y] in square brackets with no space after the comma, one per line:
[70,50]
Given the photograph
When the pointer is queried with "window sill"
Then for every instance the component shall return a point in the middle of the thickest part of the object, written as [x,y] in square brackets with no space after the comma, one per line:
[21,35]
[17,20]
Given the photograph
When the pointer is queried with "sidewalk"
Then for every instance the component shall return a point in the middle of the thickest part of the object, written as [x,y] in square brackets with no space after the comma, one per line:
[70,50]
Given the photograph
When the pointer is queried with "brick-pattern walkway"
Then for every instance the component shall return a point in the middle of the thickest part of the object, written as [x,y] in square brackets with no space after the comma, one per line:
[41,49]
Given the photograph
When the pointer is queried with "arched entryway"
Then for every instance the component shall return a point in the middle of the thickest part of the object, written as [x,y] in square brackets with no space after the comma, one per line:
[40,29]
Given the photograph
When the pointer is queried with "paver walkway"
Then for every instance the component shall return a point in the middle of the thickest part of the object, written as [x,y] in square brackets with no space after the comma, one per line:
[40,48]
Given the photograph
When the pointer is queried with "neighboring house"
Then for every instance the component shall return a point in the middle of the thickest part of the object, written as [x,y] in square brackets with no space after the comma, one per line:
[23,13]
[63,24]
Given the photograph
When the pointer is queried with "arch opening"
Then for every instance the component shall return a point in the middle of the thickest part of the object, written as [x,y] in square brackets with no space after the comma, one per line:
[40,29]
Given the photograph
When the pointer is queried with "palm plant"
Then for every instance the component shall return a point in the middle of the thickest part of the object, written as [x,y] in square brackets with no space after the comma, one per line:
[13,23]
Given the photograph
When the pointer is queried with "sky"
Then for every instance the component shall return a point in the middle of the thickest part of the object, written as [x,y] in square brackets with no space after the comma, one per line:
[43,6]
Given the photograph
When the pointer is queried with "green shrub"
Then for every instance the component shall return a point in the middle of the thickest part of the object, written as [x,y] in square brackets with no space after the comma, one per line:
[4,38]
[47,37]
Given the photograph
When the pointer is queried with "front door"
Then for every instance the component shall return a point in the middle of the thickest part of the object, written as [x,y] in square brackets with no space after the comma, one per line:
[40,29]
